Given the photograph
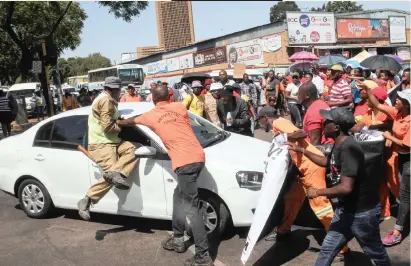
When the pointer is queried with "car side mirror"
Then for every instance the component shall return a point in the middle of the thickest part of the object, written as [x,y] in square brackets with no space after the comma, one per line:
[146,152]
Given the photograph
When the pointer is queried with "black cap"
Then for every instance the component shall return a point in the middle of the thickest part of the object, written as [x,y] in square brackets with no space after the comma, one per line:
[267,111]
[340,116]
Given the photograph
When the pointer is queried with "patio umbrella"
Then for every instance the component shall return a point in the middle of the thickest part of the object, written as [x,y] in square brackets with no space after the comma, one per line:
[360,57]
[396,57]
[331,59]
[188,78]
[303,56]
[381,62]
[302,66]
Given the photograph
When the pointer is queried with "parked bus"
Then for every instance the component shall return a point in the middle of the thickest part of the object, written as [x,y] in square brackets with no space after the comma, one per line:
[128,73]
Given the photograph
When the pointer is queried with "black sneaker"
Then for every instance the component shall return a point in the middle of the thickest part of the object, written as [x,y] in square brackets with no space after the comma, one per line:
[200,260]
[278,237]
[174,244]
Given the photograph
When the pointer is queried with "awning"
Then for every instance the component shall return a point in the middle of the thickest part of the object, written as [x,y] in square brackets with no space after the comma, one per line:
[350,47]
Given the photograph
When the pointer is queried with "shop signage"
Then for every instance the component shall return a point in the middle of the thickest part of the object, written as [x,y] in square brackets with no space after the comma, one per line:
[272,43]
[397,30]
[186,61]
[156,67]
[404,53]
[362,28]
[173,64]
[310,28]
[210,57]
[248,52]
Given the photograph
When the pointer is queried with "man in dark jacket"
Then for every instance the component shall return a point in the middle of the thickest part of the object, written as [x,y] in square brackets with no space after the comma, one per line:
[233,113]
[84,99]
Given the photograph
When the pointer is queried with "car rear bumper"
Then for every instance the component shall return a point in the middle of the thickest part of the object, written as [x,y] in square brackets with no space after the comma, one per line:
[241,203]
[6,183]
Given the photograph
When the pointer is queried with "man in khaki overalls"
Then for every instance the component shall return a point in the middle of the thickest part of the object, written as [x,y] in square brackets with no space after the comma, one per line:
[115,156]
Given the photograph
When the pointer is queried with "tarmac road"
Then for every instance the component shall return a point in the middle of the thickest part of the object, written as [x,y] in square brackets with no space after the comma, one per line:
[64,239]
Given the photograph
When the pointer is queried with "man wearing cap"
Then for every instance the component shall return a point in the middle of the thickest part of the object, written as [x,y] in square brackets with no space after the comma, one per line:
[340,93]
[210,103]
[114,156]
[131,95]
[311,175]
[195,102]
[358,211]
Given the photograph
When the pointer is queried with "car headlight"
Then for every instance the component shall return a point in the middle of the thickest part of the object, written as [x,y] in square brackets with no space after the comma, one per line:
[250,179]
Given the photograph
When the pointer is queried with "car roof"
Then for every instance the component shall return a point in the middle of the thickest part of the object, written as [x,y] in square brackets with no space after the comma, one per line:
[24,86]
[135,108]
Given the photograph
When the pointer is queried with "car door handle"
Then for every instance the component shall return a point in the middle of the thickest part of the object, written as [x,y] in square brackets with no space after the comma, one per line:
[39,157]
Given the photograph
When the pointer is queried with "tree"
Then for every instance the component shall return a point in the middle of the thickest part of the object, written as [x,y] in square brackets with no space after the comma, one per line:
[125,9]
[278,11]
[339,7]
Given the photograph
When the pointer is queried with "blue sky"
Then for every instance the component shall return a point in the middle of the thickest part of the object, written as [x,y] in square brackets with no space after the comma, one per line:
[109,36]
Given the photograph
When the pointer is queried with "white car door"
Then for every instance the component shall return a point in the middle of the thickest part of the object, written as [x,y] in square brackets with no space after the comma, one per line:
[146,196]
[55,158]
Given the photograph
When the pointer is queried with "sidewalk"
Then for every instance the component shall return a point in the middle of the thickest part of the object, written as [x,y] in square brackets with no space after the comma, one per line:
[15,129]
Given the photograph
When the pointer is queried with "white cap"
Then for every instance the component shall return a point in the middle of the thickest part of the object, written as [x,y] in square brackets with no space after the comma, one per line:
[216,86]
[406,95]
[131,85]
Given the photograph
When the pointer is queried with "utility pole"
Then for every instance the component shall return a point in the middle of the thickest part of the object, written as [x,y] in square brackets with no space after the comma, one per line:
[58,86]
[46,73]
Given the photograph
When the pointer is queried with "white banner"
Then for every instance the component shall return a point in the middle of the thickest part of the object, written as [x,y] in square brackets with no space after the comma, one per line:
[310,28]
[397,30]
[156,67]
[186,61]
[274,177]
[372,51]
[173,64]
[272,43]
[248,52]
[404,53]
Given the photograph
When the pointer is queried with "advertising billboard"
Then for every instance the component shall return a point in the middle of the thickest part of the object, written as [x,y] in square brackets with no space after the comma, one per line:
[173,64]
[156,67]
[272,43]
[186,61]
[311,28]
[212,56]
[248,52]
[362,28]
[397,30]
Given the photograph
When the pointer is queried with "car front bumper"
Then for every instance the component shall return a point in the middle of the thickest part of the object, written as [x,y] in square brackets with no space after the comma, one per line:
[241,203]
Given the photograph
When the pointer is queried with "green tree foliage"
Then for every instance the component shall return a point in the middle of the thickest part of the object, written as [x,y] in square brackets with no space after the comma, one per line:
[278,11]
[339,7]
[24,24]
[77,66]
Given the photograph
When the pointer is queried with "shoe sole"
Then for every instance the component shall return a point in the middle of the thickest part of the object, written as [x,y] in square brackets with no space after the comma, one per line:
[392,244]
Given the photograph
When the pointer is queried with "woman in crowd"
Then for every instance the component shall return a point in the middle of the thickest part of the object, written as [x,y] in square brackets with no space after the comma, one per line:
[400,138]
[385,80]
[69,102]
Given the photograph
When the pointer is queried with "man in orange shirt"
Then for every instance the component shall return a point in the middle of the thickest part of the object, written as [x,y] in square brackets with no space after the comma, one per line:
[131,95]
[170,122]
[312,175]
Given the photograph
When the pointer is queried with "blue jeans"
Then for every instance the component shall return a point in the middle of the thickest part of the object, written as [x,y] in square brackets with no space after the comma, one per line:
[364,226]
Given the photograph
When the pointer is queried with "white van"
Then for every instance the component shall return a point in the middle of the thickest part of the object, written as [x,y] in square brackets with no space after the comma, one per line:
[26,90]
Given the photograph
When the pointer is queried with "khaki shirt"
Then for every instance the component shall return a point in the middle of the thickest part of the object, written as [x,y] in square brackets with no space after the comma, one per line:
[210,107]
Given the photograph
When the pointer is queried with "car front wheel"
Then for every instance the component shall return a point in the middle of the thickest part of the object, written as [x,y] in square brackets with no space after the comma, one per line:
[34,199]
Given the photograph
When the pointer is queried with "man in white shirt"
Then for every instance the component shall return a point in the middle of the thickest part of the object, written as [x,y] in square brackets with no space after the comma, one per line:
[316,80]
[224,81]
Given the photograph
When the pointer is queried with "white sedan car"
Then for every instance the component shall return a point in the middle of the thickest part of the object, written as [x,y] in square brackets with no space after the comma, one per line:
[43,169]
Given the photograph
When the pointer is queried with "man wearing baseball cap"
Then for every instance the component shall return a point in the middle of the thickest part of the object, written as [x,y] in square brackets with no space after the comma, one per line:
[359,209]
[114,156]
[131,95]
[195,102]
[311,175]
[340,93]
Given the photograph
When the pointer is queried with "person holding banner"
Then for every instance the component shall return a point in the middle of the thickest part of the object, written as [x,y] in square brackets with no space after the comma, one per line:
[312,175]
[359,209]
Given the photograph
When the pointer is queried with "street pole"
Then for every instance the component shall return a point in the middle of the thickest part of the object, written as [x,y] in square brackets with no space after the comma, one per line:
[46,72]
[58,86]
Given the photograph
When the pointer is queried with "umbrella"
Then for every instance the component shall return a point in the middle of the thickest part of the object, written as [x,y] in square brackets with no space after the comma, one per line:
[331,59]
[396,57]
[381,62]
[352,64]
[195,76]
[303,56]
[360,57]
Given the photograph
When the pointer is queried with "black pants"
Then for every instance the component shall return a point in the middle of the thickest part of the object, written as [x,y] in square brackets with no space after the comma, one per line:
[404,208]
[186,205]
[295,114]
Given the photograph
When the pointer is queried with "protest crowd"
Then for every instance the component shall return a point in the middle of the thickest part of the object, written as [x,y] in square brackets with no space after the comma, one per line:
[312,107]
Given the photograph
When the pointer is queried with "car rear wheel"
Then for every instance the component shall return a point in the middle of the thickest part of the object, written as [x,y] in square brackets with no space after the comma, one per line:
[34,199]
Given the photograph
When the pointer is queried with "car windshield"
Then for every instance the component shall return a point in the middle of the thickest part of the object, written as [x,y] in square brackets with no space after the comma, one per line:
[25,93]
[206,133]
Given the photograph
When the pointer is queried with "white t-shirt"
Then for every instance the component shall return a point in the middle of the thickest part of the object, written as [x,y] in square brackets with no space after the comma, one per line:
[293,89]
[319,83]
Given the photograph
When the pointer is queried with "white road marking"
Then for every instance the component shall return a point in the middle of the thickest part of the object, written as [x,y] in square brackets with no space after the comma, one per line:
[192,249]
